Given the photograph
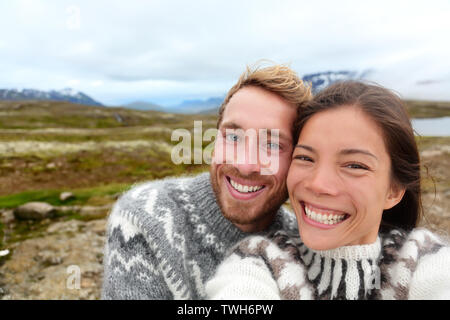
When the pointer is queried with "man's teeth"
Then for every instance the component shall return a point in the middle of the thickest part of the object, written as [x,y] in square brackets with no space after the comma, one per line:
[324,218]
[244,189]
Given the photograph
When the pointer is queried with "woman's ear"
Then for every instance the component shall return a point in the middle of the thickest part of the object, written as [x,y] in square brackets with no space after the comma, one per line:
[394,196]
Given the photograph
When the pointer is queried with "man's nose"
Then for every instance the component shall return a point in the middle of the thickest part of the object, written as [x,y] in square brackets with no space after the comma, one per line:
[247,161]
[246,169]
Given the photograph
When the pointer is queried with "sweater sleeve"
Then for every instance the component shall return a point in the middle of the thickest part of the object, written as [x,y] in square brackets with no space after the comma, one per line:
[134,266]
[239,278]
[431,279]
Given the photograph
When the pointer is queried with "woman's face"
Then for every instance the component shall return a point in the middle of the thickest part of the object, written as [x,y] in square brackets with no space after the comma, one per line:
[339,180]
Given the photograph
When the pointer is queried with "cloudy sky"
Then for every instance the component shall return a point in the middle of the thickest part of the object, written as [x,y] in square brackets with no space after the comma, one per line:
[166,51]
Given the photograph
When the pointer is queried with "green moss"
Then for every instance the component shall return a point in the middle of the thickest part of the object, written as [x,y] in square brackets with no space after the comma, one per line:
[82,196]
[15,200]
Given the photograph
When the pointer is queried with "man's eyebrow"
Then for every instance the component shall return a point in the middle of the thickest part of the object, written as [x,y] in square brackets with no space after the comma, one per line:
[343,152]
[280,135]
[231,125]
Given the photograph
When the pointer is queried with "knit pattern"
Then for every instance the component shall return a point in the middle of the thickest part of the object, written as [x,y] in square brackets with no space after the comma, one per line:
[399,265]
[165,238]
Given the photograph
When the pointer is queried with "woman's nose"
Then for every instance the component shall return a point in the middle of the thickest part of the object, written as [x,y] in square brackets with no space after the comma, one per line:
[323,181]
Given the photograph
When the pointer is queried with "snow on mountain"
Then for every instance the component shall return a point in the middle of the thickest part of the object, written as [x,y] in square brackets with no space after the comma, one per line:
[321,80]
[67,94]
[318,81]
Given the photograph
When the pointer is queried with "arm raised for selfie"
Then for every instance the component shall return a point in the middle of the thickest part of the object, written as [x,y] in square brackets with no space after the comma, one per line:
[431,279]
[239,278]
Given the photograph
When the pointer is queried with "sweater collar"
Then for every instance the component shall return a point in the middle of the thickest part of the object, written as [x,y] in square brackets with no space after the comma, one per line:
[354,252]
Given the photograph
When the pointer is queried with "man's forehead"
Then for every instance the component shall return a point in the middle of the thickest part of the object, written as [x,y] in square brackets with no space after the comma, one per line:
[273,114]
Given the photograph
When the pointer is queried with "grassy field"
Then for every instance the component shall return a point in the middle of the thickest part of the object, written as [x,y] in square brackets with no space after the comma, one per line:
[96,153]
[50,147]
[428,109]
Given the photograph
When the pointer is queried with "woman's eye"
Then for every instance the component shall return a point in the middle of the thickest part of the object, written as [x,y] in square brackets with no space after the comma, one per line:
[356,166]
[303,158]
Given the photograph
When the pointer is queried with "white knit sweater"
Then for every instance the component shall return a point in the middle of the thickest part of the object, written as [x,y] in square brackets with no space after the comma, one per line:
[398,265]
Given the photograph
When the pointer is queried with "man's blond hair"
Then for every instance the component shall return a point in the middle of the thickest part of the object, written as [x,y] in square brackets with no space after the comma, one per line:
[278,79]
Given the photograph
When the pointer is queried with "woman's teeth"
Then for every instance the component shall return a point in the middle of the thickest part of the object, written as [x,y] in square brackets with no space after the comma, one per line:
[324,218]
[244,189]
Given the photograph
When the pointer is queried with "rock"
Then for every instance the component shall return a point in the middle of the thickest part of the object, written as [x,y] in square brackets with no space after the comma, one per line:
[99,212]
[71,226]
[66,196]
[34,211]
[49,258]
[42,268]
[50,165]
[6,217]
[4,253]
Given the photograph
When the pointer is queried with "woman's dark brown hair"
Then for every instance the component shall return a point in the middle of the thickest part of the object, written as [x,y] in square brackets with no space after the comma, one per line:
[389,112]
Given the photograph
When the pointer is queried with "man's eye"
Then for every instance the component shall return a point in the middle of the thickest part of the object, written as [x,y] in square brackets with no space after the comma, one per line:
[231,137]
[273,146]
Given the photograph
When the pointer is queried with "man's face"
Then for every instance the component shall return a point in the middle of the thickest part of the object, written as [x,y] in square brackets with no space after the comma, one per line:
[250,189]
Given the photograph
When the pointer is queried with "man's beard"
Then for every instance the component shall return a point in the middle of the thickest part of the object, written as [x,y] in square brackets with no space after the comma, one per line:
[236,211]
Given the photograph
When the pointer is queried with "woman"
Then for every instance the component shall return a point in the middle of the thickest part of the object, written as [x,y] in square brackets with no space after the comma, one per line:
[354,185]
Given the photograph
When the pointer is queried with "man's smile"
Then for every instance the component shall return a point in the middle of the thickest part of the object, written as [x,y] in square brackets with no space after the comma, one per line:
[243,190]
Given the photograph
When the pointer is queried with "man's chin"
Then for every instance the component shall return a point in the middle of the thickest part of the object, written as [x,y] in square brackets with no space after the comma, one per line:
[249,221]
[249,214]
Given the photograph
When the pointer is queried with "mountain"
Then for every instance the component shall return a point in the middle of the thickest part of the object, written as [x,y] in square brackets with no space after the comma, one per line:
[321,80]
[144,106]
[66,94]
[197,106]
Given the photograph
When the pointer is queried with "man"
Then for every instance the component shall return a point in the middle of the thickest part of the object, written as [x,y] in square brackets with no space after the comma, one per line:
[165,238]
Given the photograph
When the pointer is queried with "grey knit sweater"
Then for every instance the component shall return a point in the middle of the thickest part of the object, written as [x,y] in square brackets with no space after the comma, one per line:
[165,238]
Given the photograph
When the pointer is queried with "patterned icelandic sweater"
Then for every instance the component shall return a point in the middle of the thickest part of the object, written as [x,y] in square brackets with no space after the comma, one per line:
[398,265]
[165,238]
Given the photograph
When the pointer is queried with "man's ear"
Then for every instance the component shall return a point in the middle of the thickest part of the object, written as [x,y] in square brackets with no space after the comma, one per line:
[394,196]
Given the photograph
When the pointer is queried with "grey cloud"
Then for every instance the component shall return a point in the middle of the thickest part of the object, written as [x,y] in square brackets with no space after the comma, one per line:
[171,48]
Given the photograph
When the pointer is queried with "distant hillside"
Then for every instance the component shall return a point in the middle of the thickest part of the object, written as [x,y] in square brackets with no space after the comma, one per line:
[142,105]
[198,106]
[428,109]
[318,81]
[60,114]
[68,95]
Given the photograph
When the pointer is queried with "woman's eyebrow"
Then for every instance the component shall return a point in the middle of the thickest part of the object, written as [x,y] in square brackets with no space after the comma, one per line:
[306,147]
[343,152]
[353,151]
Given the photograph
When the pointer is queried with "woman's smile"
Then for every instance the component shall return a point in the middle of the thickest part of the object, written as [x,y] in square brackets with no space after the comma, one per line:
[321,217]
